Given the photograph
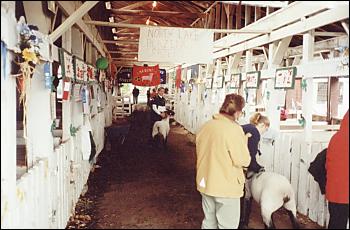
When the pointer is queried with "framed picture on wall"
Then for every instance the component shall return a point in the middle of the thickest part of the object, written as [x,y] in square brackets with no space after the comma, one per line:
[208,83]
[285,78]
[252,79]
[235,81]
[219,82]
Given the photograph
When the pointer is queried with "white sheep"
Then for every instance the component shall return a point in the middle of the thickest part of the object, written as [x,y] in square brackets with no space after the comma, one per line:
[271,191]
[161,128]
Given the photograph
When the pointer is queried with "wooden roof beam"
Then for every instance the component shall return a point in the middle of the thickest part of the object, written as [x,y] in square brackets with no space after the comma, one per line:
[157,13]
[135,5]
[113,24]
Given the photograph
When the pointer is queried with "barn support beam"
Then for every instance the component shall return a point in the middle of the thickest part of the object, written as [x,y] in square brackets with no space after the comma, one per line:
[307,93]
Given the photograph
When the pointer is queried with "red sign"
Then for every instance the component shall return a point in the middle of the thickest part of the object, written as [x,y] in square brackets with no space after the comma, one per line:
[178,77]
[145,75]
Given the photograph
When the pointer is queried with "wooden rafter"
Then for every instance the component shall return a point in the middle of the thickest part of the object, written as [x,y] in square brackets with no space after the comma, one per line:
[157,13]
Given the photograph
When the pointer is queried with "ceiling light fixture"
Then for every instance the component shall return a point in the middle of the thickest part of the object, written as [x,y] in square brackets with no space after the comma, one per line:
[111,19]
[147,22]
[154,4]
[115,37]
[114,30]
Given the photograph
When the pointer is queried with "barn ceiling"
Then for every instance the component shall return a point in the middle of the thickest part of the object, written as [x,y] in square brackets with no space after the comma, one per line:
[122,43]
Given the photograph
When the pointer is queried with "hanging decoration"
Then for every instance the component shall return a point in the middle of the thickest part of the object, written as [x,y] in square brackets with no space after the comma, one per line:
[48,76]
[302,121]
[102,63]
[146,75]
[85,99]
[73,130]
[66,89]
[79,70]
[3,60]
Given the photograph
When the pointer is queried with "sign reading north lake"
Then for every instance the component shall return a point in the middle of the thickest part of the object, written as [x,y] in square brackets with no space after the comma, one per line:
[175,45]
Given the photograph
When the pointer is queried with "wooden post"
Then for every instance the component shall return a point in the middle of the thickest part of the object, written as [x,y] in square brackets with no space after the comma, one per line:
[333,98]
[217,20]
[307,93]
[238,16]
[247,15]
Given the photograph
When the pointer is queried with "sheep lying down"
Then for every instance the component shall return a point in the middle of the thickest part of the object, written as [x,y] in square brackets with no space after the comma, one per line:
[272,191]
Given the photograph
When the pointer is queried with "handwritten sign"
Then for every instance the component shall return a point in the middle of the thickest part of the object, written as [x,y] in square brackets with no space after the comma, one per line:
[175,45]
[252,79]
[235,81]
[91,73]
[285,78]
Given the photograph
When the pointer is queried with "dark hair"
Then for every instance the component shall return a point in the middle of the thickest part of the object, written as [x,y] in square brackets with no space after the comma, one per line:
[257,118]
[233,103]
[160,88]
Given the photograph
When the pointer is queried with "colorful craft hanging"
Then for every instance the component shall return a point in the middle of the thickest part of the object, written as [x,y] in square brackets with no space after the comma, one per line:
[79,70]
[146,75]
[48,76]
[66,63]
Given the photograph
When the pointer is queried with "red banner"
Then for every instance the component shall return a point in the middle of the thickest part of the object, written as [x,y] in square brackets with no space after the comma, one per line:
[178,77]
[145,75]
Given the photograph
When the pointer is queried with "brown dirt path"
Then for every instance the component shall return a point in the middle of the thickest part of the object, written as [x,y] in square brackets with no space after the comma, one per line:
[138,187]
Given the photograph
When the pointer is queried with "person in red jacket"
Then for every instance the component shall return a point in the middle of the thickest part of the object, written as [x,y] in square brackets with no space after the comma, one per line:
[337,185]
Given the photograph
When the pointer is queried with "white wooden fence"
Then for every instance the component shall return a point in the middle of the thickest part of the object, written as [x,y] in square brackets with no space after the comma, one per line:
[288,154]
[46,195]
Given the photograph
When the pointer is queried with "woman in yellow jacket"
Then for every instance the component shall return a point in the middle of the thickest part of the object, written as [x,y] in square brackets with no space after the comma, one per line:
[220,161]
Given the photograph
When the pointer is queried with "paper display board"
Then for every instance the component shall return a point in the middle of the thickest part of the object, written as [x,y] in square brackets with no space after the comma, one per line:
[285,78]
[66,61]
[175,45]
[252,79]
[79,70]
[91,73]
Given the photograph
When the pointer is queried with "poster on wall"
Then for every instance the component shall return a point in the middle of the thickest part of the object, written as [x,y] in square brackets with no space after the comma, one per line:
[285,78]
[252,79]
[235,81]
[66,61]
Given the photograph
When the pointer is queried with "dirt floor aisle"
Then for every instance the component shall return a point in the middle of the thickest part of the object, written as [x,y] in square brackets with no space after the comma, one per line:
[138,187]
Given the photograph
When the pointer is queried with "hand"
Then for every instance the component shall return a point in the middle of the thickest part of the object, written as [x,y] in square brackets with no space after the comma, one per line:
[248,135]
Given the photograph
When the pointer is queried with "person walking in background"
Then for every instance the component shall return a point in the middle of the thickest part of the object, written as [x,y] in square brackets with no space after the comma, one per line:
[148,96]
[337,176]
[135,93]
[219,167]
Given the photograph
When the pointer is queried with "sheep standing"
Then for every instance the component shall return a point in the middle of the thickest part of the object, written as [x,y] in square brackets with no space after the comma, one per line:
[161,129]
[271,191]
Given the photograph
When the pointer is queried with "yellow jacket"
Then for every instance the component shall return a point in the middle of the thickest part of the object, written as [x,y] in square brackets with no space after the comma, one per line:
[222,151]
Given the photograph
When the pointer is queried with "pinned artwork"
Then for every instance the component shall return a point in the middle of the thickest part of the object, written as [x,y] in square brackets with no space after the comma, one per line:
[285,78]
[252,79]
